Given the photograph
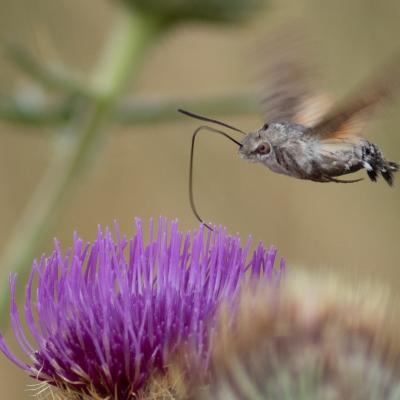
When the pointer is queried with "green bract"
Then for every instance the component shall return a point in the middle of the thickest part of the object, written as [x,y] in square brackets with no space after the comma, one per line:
[205,10]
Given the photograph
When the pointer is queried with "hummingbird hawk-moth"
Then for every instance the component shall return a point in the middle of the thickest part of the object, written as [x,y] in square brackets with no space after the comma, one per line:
[307,137]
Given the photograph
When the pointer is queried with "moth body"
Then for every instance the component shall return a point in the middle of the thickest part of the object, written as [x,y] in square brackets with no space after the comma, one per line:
[292,149]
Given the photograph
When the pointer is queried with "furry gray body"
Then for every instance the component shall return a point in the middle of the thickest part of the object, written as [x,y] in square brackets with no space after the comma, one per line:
[295,151]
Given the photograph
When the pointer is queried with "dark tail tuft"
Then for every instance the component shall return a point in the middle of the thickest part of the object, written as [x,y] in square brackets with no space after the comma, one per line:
[373,174]
[376,164]
[387,170]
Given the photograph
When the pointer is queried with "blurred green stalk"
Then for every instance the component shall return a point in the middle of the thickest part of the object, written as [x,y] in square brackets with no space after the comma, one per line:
[131,36]
[135,111]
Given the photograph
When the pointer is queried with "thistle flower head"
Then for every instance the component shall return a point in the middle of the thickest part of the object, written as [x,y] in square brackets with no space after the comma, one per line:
[108,316]
[310,338]
[205,10]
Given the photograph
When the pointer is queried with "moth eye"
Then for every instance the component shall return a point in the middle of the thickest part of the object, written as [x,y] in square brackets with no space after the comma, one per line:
[265,126]
[263,148]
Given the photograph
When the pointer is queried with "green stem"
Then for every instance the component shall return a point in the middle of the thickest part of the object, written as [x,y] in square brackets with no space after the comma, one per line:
[136,111]
[147,110]
[131,36]
[49,77]
[35,114]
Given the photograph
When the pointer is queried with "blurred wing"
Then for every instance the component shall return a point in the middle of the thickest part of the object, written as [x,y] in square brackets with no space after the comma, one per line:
[288,75]
[350,118]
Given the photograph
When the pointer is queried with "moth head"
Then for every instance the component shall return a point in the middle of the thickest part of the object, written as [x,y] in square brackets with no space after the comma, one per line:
[255,147]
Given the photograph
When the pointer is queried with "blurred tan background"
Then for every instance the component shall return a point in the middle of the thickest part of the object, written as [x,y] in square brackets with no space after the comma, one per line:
[142,170]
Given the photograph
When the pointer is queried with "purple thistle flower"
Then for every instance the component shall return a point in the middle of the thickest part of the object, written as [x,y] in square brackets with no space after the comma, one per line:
[108,316]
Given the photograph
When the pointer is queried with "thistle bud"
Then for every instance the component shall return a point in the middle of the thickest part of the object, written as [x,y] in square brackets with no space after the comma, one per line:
[306,339]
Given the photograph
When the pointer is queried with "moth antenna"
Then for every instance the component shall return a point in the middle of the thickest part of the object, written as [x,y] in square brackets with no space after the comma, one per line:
[214,121]
[191,197]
